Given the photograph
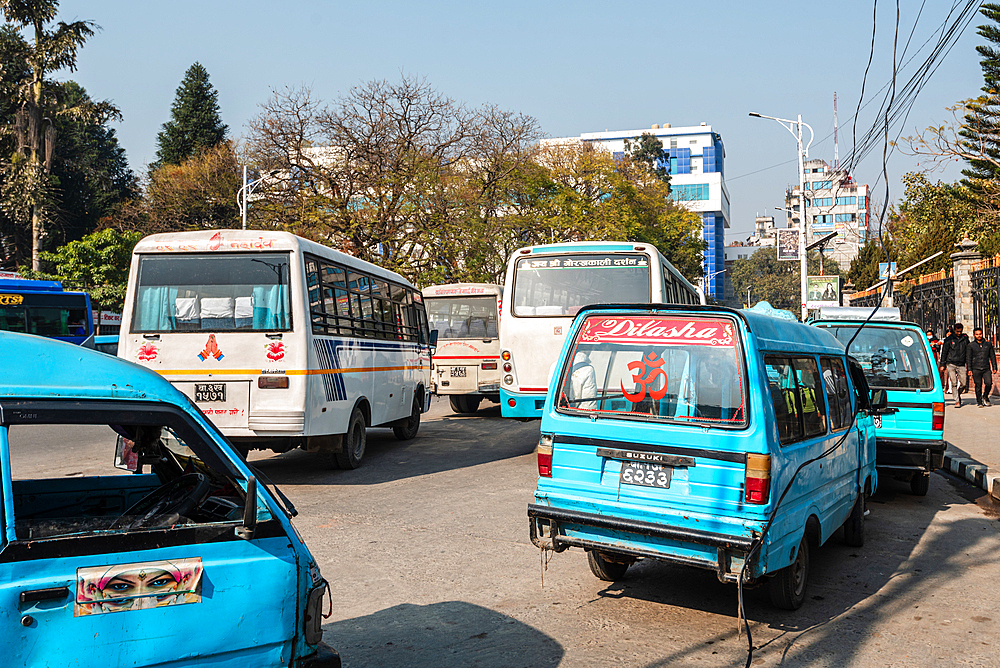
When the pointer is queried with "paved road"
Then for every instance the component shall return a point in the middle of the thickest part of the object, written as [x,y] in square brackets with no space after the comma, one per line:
[427,551]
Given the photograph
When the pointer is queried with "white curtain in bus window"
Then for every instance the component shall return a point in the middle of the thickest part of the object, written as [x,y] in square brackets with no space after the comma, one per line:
[657,368]
[562,285]
[246,291]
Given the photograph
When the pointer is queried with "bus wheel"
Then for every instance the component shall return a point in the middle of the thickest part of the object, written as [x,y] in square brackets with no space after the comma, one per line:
[788,586]
[854,527]
[920,483]
[354,442]
[408,429]
[604,569]
[465,403]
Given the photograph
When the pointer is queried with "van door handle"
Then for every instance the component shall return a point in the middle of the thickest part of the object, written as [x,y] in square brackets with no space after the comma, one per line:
[33,595]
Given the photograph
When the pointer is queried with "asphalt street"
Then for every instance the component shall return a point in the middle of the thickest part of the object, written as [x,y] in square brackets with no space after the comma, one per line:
[426,548]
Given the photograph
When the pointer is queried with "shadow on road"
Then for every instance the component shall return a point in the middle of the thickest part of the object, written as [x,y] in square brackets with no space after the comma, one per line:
[481,438]
[850,589]
[442,635]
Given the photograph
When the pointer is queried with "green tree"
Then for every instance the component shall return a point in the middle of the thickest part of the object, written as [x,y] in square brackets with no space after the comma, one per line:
[775,281]
[932,217]
[648,150]
[28,185]
[194,123]
[98,264]
[981,130]
[864,268]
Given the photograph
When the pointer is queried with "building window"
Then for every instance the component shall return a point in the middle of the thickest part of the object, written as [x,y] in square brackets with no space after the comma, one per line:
[819,185]
[822,201]
[861,201]
[851,201]
[846,217]
[673,143]
[689,192]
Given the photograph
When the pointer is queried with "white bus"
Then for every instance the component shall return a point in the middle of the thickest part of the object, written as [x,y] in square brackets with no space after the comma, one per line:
[547,285]
[282,342]
[466,317]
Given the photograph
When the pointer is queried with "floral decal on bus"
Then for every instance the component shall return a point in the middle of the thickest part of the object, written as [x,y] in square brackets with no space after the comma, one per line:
[128,587]
[275,350]
[211,350]
[147,352]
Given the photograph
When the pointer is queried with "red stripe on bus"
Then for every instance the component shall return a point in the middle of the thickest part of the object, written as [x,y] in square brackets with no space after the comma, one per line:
[466,357]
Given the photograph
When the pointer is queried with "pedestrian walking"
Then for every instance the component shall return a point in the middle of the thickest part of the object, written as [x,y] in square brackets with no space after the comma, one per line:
[954,360]
[982,362]
[935,344]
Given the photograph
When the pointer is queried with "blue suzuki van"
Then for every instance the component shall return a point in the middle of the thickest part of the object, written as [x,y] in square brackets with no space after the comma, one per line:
[729,440]
[897,357]
[173,556]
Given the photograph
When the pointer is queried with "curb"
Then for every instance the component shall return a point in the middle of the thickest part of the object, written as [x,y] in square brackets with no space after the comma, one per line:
[975,473]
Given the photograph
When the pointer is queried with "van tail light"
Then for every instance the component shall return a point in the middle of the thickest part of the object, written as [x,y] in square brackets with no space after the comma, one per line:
[937,421]
[272,382]
[489,366]
[545,456]
[758,478]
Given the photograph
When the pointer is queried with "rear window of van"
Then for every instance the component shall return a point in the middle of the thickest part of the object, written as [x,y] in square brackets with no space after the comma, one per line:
[892,357]
[671,368]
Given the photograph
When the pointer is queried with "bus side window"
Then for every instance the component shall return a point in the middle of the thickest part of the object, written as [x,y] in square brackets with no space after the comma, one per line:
[785,398]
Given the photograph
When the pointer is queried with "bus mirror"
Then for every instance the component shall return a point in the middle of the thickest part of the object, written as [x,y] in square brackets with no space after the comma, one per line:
[434,339]
[879,401]
[126,458]
[249,526]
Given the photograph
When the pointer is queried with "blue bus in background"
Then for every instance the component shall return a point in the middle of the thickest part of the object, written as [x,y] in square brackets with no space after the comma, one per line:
[43,308]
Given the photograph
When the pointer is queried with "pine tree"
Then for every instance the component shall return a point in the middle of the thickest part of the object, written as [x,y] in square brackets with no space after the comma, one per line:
[194,123]
[981,130]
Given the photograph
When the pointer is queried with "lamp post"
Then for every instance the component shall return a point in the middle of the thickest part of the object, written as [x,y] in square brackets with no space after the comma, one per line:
[803,220]
[247,190]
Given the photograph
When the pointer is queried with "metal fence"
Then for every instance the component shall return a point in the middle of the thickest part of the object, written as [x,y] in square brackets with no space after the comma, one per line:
[868,298]
[929,303]
[986,297]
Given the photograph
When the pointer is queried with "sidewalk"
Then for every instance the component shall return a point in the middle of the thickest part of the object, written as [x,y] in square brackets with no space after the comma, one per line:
[973,437]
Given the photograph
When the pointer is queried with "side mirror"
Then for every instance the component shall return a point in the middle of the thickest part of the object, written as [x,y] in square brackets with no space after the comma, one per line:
[434,338]
[879,401]
[126,458]
[249,526]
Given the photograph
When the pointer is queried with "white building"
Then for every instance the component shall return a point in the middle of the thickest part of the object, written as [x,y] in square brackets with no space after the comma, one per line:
[835,202]
[696,156]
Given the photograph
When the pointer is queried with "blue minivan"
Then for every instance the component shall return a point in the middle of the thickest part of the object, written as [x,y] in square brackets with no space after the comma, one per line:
[897,358]
[166,553]
[703,436]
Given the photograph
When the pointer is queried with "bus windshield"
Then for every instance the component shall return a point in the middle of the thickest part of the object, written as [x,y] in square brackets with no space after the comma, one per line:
[561,285]
[462,317]
[56,314]
[213,292]
[892,357]
[672,368]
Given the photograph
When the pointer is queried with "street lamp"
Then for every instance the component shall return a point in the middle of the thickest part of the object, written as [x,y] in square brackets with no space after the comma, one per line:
[803,219]
[247,190]
[704,279]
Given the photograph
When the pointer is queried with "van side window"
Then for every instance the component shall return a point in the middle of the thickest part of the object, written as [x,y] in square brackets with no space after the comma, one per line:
[785,397]
[810,396]
[838,393]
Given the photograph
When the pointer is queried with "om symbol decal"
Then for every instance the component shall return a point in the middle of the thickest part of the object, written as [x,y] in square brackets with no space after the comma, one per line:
[645,373]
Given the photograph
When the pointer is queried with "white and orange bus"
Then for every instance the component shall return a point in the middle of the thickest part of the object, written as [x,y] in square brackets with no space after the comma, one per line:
[281,341]
[466,317]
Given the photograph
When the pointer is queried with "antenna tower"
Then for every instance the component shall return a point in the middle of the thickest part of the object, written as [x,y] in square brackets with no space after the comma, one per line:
[836,148]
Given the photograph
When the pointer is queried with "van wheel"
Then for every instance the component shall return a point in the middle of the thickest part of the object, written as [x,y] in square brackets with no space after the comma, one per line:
[606,570]
[854,527]
[920,483]
[788,586]
[465,403]
[408,429]
[354,442]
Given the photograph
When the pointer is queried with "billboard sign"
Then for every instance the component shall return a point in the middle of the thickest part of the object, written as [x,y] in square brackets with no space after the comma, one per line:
[788,244]
[822,291]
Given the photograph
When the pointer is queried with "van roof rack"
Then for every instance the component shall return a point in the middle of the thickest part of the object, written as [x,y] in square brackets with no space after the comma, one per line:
[882,313]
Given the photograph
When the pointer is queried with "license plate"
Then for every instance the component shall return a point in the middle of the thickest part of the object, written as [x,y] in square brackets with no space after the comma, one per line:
[458,372]
[645,475]
[209,392]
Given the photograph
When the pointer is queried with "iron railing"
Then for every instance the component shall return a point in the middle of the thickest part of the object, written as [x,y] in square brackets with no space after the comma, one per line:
[931,304]
[986,298]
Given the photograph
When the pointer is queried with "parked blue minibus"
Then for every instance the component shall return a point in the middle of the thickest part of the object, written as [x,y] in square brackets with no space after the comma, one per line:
[897,357]
[171,554]
[734,441]
[45,309]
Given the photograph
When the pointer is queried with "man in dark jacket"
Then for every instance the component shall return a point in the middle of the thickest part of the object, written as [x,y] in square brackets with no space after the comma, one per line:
[954,358]
[982,362]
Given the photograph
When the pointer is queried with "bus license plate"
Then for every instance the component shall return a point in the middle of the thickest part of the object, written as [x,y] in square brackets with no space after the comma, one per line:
[458,372]
[209,392]
[646,475]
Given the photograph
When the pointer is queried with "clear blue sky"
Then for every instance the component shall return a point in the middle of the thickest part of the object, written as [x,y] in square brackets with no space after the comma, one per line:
[575,66]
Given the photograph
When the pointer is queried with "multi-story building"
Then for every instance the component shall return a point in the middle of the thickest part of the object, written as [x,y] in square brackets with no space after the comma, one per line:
[835,202]
[696,156]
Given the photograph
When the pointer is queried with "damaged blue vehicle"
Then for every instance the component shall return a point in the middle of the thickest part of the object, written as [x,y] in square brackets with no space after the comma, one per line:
[175,555]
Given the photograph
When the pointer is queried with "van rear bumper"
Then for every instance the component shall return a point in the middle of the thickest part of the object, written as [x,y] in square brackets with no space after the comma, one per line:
[909,454]
[545,523]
